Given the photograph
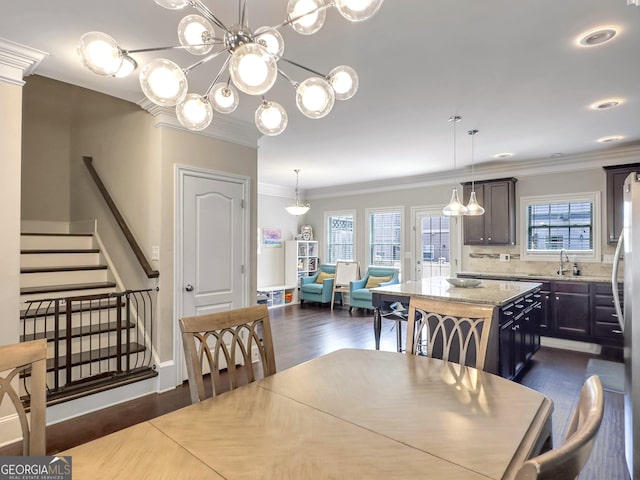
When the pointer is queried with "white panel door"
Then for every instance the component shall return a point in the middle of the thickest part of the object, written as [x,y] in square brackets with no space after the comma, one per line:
[214,239]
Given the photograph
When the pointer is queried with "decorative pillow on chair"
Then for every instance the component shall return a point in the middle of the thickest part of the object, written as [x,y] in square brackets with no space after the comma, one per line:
[373,282]
[324,275]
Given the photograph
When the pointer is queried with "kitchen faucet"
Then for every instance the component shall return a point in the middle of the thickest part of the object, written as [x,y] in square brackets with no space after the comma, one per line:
[563,269]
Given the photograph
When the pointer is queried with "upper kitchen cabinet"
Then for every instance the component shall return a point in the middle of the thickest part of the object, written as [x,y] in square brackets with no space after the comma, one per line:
[498,224]
[616,176]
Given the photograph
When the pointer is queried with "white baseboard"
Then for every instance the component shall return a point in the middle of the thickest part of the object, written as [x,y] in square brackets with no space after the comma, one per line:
[10,431]
[98,401]
[167,376]
[570,345]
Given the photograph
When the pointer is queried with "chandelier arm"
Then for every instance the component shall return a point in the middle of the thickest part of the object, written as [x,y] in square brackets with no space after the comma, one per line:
[304,68]
[204,60]
[208,14]
[242,7]
[288,78]
[215,80]
[173,47]
[295,19]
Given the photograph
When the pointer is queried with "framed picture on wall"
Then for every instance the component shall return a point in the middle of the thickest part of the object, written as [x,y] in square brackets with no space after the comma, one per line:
[272,237]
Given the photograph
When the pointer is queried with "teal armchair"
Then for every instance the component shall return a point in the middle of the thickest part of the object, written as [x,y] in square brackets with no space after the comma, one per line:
[359,294]
[312,291]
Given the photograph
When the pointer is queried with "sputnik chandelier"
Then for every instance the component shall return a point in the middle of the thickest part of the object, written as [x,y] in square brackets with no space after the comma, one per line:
[251,64]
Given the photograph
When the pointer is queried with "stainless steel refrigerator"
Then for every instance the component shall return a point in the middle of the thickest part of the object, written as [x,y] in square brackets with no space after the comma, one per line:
[629,243]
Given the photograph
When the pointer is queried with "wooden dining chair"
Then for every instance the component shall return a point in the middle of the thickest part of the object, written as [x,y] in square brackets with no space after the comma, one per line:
[228,340]
[568,460]
[27,357]
[456,332]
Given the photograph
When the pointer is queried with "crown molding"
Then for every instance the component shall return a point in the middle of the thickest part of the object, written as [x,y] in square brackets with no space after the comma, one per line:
[568,163]
[18,61]
[277,190]
[222,127]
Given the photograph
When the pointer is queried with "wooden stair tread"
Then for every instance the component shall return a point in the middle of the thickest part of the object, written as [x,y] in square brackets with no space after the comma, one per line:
[47,307]
[89,356]
[40,251]
[77,331]
[65,288]
[100,384]
[56,234]
[66,268]
[93,355]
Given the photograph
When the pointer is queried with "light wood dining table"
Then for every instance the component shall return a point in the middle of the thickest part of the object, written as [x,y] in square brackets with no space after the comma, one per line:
[345,415]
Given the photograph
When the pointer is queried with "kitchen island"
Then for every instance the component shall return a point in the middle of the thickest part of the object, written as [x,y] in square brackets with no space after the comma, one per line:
[514,335]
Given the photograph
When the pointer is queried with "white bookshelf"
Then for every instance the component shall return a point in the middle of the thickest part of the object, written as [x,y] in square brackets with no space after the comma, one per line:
[300,260]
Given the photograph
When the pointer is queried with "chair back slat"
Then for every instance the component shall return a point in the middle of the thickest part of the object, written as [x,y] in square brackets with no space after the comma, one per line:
[27,357]
[568,460]
[228,339]
[450,331]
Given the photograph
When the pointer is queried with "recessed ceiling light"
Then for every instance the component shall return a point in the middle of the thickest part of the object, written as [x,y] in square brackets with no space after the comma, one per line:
[556,154]
[503,155]
[597,36]
[611,138]
[606,104]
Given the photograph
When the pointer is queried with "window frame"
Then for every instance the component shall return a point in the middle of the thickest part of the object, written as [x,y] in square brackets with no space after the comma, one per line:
[368,213]
[592,255]
[337,213]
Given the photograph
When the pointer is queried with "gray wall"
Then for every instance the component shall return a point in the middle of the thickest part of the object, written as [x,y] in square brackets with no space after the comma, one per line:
[46,148]
[272,214]
[529,184]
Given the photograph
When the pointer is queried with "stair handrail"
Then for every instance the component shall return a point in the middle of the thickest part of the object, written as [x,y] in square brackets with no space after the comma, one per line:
[146,266]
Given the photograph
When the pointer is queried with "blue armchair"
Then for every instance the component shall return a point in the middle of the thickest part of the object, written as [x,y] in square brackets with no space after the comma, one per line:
[319,291]
[359,294]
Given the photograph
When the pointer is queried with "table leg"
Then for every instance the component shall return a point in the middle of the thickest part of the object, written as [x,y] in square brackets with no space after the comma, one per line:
[399,335]
[377,326]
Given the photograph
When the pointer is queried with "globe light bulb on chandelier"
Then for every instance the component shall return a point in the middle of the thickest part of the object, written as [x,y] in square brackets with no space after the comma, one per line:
[252,64]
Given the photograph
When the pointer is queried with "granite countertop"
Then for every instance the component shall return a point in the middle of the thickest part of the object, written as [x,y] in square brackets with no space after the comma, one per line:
[537,277]
[489,292]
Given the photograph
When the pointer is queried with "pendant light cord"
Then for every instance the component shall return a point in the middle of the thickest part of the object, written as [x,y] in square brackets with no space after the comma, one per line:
[297,195]
[455,119]
[473,183]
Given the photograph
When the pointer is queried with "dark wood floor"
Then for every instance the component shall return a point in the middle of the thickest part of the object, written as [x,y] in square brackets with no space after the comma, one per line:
[303,333]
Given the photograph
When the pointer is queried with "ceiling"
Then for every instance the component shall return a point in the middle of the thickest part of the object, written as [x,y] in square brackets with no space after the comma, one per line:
[510,69]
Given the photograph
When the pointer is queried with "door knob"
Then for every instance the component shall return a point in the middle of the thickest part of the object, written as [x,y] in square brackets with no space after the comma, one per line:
[189,288]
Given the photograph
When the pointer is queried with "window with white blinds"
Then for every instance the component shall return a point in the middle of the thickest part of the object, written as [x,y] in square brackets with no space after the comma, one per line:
[385,237]
[555,223]
[340,236]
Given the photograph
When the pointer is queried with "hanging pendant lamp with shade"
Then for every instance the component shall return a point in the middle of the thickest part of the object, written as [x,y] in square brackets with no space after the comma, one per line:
[455,208]
[473,207]
[297,208]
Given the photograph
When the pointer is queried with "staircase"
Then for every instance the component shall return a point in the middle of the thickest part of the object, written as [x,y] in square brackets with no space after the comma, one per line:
[97,336]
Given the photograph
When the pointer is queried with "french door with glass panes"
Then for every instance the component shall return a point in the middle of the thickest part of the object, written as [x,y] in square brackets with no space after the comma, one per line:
[436,244]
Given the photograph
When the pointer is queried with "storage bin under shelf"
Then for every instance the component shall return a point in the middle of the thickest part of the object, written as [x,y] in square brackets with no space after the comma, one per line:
[278,295]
